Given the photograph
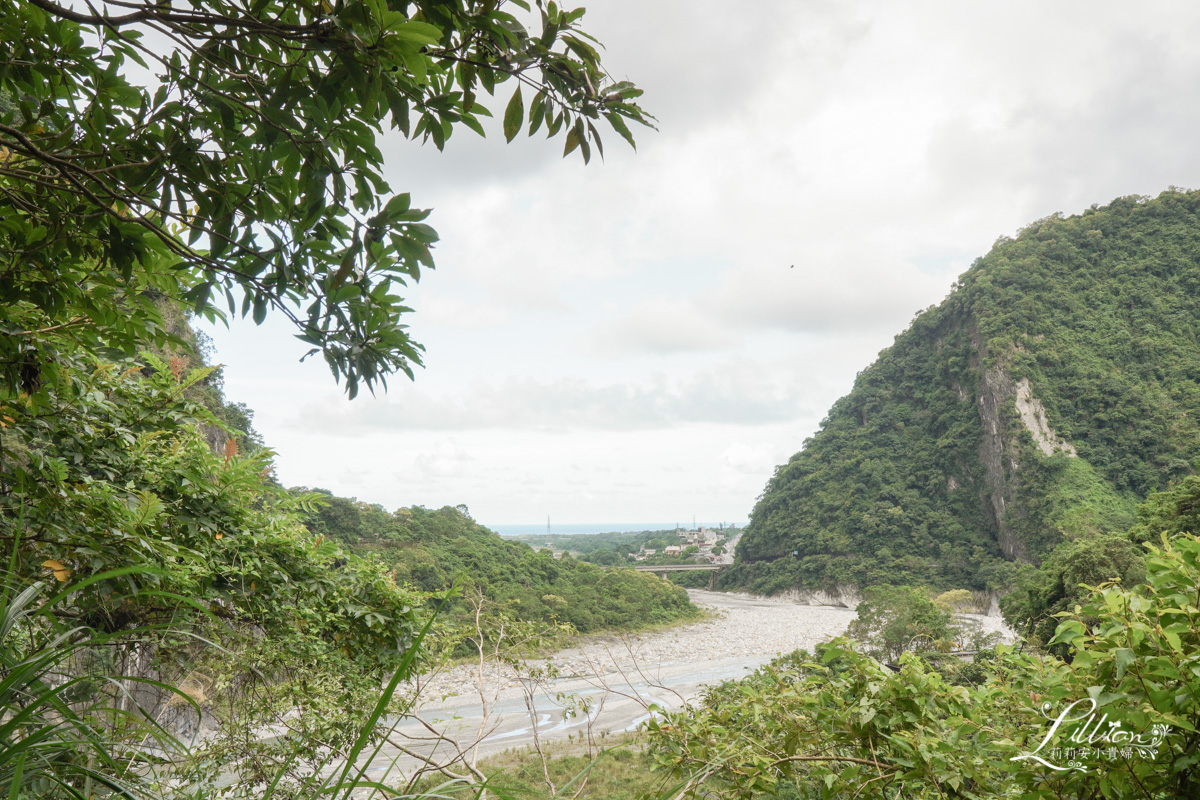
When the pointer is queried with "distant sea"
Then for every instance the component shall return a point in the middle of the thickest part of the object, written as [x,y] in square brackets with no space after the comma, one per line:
[599,527]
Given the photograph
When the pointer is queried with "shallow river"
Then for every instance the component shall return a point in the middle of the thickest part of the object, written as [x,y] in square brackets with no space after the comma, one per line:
[464,716]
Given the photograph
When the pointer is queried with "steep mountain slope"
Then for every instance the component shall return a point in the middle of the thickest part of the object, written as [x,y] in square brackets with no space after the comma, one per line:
[1051,391]
[435,549]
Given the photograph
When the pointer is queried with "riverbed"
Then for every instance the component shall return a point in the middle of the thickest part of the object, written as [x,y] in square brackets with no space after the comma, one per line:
[609,685]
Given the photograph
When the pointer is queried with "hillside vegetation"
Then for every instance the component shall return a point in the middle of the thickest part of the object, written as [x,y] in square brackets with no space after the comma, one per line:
[1048,394]
[435,549]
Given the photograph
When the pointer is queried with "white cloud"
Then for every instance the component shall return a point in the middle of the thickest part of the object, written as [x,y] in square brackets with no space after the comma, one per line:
[734,393]
[828,296]
[641,315]
[749,459]
[664,327]
[446,460]
[448,311]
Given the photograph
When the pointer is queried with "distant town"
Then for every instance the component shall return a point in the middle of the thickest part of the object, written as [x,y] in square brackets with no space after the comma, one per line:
[700,544]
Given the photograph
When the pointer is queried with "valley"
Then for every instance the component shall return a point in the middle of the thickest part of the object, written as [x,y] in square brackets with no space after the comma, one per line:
[617,677]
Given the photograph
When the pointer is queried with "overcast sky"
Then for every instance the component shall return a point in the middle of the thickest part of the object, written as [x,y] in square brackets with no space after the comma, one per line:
[629,341]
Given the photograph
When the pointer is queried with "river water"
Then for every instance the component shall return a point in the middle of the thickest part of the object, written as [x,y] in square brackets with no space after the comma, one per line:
[609,684]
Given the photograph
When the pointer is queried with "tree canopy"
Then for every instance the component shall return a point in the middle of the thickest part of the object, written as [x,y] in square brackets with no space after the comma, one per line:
[432,550]
[218,157]
[224,153]
[927,471]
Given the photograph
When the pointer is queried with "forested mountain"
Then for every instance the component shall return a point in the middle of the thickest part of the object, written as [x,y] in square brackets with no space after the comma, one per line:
[1050,392]
[436,549]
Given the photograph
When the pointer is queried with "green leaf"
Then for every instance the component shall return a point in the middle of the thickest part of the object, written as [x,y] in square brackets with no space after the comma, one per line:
[513,116]
[596,138]
[620,127]
[347,292]
[553,121]
[585,51]
[474,124]
[1067,632]
[573,141]
[581,140]
[260,309]
[416,31]
[200,296]
[537,112]
[1123,657]
[394,210]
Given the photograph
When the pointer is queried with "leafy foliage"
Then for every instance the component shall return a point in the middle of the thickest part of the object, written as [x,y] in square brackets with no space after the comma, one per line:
[56,737]
[432,549]
[925,473]
[838,725]
[193,569]
[210,155]
[222,154]
[120,475]
[895,619]
[835,724]
[1140,658]
[1172,511]
[1063,582]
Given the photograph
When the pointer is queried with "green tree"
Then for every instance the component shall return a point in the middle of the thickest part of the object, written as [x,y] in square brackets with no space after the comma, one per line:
[835,724]
[1141,647]
[1064,581]
[223,154]
[604,557]
[210,155]
[895,619]
[927,472]
[1176,510]
[433,549]
[161,548]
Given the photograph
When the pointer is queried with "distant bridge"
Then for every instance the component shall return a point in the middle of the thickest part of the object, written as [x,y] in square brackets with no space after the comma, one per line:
[663,569]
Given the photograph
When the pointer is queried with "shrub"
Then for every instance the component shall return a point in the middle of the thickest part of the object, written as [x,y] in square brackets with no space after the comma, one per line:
[895,619]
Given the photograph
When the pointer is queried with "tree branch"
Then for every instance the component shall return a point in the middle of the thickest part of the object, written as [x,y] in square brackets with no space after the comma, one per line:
[168,14]
[879,765]
[37,331]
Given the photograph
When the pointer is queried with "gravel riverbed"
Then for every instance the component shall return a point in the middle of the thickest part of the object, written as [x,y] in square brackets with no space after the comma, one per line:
[746,632]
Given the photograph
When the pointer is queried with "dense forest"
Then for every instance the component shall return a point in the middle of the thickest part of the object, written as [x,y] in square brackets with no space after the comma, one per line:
[1053,390]
[169,627]
[846,721]
[434,550]
[176,625]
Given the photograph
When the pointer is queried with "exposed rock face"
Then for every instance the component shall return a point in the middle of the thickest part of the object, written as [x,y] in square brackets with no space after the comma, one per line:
[1033,414]
[1052,389]
[998,396]
[999,467]
[838,597]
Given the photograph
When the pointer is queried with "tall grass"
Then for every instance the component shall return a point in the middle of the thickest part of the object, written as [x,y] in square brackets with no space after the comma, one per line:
[58,722]
[70,730]
[67,731]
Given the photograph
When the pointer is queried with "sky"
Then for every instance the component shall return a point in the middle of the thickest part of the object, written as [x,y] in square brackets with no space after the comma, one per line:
[647,337]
